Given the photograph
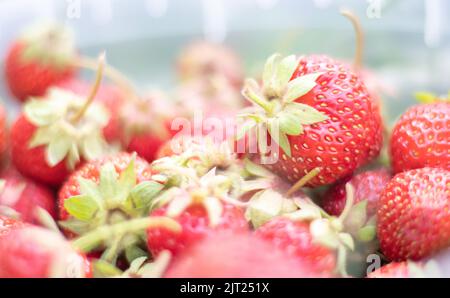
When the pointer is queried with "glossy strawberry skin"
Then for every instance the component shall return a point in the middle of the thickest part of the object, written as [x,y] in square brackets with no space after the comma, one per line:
[414,216]
[195,226]
[91,171]
[236,255]
[27,79]
[146,145]
[32,162]
[295,239]
[3,132]
[392,270]
[350,138]
[24,195]
[33,252]
[109,95]
[421,138]
[367,186]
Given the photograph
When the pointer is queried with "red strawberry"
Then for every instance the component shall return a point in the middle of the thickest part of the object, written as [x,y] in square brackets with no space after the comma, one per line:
[6,224]
[146,124]
[226,255]
[421,138]
[113,194]
[407,269]
[33,252]
[54,134]
[40,58]
[368,186]
[294,237]
[319,114]
[23,196]
[392,270]
[3,132]
[109,95]
[414,214]
[202,60]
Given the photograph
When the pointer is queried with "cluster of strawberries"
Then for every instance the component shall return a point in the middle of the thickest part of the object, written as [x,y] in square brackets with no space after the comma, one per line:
[134,199]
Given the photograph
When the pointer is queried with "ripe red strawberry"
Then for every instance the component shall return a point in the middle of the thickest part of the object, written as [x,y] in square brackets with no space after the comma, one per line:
[113,194]
[55,133]
[33,252]
[421,138]
[408,269]
[3,132]
[146,124]
[22,195]
[40,58]
[195,224]
[109,95]
[294,238]
[240,255]
[203,60]
[319,114]
[414,214]
[368,187]
[392,270]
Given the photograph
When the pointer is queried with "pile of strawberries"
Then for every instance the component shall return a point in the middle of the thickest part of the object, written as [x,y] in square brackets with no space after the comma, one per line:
[99,180]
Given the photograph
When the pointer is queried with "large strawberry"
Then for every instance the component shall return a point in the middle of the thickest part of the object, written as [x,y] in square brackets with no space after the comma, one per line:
[421,138]
[33,252]
[203,60]
[414,214]
[318,114]
[200,209]
[40,58]
[22,196]
[109,95]
[105,203]
[55,133]
[3,132]
[227,255]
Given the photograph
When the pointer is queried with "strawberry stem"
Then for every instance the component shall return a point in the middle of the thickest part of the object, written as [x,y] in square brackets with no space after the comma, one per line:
[94,238]
[94,89]
[359,53]
[300,183]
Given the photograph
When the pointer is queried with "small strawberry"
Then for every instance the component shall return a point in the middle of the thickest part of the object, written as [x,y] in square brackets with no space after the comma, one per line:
[413,214]
[3,132]
[105,203]
[22,196]
[202,60]
[318,114]
[55,133]
[200,210]
[236,255]
[109,95]
[368,186]
[33,252]
[40,58]
[421,138]
[146,124]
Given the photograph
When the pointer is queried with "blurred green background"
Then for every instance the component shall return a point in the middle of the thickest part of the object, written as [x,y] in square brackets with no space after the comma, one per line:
[407,41]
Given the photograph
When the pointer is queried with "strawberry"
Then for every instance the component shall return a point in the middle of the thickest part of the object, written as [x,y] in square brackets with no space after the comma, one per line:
[7,223]
[236,255]
[109,95]
[146,124]
[295,238]
[105,203]
[420,138]
[33,252]
[21,195]
[392,270]
[407,269]
[368,187]
[318,114]
[40,58]
[413,214]
[55,133]
[3,132]
[202,60]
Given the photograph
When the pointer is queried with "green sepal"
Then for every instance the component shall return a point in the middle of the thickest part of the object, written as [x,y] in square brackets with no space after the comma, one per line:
[143,193]
[264,206]
[134,252]
[425,97]
[367,233]
[255,169]
[81,207]
[301,86]
[103,269]
[306,114]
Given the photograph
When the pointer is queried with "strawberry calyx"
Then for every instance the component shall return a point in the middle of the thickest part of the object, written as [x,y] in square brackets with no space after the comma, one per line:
[70,127]
[275,108]
[113,213]
[49,44]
